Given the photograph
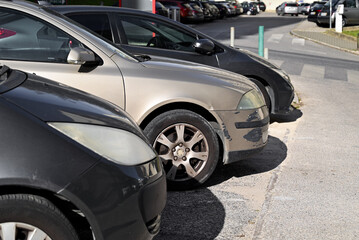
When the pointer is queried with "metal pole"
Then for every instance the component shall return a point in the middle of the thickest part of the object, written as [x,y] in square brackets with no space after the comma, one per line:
[260,41]
[232,36]
[330,14]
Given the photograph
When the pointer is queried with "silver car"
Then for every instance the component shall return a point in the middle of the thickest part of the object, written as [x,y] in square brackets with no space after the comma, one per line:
[194,115]
[288,8]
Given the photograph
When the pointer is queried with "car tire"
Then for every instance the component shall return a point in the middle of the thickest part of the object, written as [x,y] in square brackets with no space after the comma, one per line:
[22,214]
[344,21]
[264,92]
[187,145]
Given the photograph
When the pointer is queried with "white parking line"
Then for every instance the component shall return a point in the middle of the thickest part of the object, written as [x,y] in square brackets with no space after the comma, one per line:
[298,41]
[313,71]
[275,38]
[353,76]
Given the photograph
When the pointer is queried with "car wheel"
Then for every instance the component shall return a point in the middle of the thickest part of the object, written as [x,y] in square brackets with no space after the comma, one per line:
[188,146]
[296,15]
[25,217]
[344,21]
[264,92]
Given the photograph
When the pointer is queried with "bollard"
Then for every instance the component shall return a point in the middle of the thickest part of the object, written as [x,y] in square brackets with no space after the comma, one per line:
[232,36]
[266,53]
[260,40]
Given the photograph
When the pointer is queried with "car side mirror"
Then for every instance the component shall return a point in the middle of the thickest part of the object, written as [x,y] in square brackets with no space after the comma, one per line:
[204,46]
[80,56]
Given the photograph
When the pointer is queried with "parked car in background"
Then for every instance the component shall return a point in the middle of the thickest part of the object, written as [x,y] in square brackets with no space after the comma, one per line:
[349,17]
[262,6]
[288,8]
[187,13]
[73,166]
[208,16]
[162,10]
[304,8]
[179,41]
[213,8]
[249,8]
[199,11]
[193,115]
[221,8]
[315,9]
[237,6]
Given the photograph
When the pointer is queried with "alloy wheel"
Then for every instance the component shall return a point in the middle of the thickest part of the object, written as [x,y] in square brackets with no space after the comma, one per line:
[184,150]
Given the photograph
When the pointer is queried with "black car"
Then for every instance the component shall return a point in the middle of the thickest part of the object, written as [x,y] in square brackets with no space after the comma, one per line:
[249,8]
[73,166]
[179,41]
[349,17]
[262,6]
[315,9]
[222,10]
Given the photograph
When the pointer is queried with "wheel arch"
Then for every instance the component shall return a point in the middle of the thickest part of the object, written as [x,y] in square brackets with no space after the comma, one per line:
[80,224]
[200,110]
[269,89]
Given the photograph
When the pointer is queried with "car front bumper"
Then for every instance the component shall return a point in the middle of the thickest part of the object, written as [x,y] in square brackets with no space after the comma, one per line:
[120,202]
[243,132]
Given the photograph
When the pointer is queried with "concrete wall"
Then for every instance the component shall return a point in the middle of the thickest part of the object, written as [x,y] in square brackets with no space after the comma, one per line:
[145,5]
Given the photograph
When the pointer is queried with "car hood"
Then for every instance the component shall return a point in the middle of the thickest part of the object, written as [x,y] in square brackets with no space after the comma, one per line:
[54,102]
[223,77]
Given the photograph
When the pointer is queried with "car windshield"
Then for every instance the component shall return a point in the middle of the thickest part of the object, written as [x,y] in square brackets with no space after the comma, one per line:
[122,52]
[334,2]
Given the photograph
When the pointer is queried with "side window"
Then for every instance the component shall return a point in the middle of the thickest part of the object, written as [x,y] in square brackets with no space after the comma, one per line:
[350,4]
[97,22]
[146,32]
[25,38]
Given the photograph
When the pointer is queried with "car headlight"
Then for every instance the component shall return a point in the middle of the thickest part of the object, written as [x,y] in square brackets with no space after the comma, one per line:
[251,100]
[114,144]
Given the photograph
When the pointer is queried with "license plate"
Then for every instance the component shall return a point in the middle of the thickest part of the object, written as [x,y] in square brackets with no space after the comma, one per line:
[312,13]
[323,14]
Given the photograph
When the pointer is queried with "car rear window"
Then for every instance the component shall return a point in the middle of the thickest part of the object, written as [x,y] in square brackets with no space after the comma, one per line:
[291,4]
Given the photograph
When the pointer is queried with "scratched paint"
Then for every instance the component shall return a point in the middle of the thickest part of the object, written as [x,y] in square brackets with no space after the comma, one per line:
[253,116]
[226,133]
[254,135]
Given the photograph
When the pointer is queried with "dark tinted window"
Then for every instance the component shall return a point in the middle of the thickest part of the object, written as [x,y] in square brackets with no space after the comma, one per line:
[350,4]
[97,22]
[150,33]
[26,38]
[291,4]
